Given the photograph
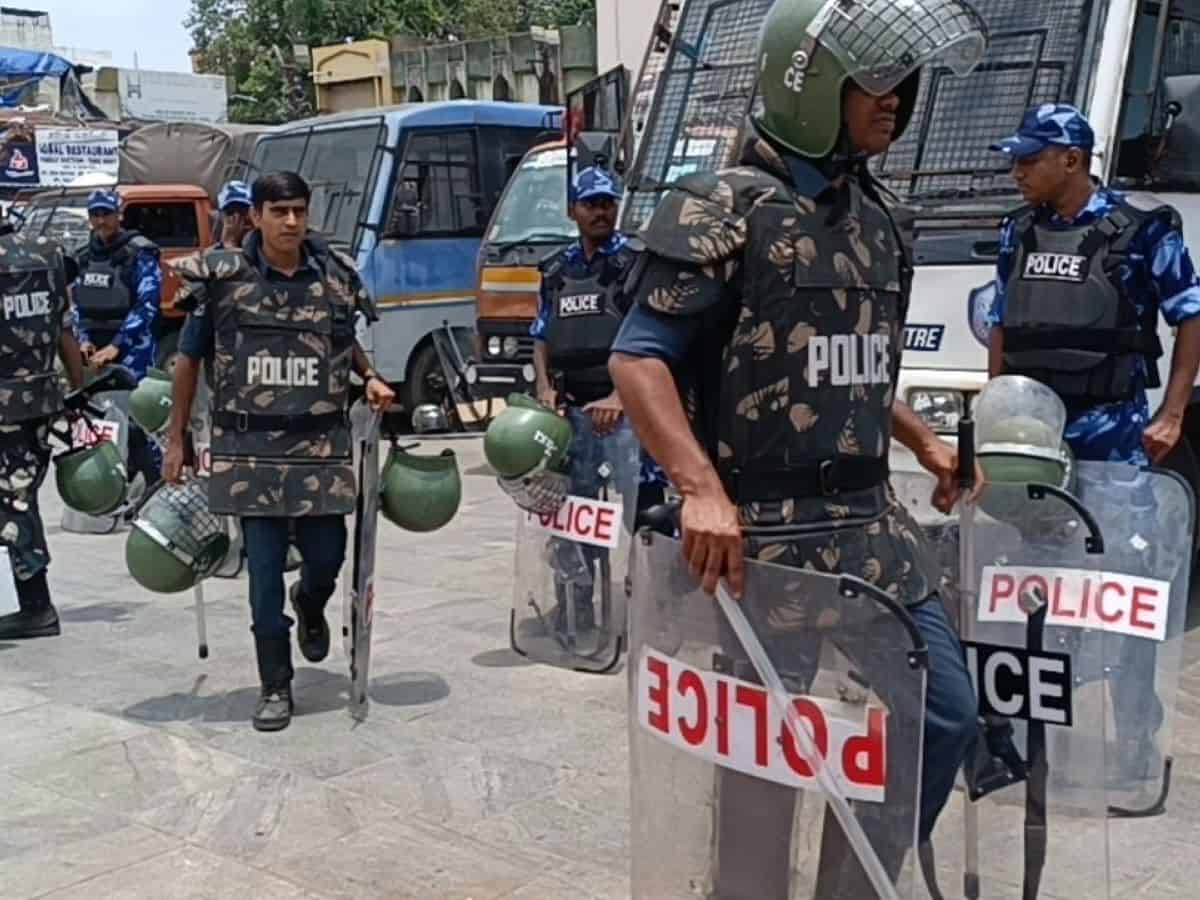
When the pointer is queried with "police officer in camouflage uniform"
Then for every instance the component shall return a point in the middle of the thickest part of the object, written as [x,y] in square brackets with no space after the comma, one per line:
[117,298]
[35,327]
[759,367]
[276,322]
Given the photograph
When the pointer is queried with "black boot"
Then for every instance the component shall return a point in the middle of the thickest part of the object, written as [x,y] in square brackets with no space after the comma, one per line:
[312,631]
[274,709]
[37,618]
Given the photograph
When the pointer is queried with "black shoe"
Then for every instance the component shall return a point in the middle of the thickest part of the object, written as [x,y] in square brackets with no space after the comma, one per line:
[37,617]
[275,707]
[26,624]
[312,631]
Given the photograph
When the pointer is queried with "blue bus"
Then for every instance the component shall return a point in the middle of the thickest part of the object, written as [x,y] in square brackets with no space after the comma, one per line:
[408,191]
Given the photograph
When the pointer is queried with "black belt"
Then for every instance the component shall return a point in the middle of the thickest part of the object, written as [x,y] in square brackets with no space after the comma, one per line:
[240,421]
[827,478]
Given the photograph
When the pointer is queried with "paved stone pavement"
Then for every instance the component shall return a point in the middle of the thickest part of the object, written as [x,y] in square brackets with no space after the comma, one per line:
[128,768]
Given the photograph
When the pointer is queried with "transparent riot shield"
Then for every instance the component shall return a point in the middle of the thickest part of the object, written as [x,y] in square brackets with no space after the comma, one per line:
[86,433]
[724,805]
[1072,608]
[200,425]
[569,580]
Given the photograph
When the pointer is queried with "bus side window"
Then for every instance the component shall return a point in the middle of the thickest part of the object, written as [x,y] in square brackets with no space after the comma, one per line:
[437,193]
[1143,159]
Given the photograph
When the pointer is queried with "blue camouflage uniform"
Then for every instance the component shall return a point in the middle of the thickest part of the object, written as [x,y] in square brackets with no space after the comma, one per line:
[1158,272]
[592,182]
[143,278]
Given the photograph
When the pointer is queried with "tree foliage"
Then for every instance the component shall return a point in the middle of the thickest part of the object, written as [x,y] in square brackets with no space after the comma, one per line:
[252,42]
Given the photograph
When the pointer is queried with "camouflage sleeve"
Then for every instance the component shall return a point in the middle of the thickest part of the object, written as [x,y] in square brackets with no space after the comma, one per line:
[193,275]
[147,283]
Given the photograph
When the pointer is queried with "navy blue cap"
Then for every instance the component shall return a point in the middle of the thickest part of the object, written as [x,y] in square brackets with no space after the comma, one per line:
[1057,124]
[594,182]
[235,193]
[107,201]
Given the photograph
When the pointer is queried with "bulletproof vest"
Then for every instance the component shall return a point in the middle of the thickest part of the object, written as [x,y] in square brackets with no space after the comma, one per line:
[585,316]
[102,293]
[280,379]
[1068,321]
[809,373]
[32,300]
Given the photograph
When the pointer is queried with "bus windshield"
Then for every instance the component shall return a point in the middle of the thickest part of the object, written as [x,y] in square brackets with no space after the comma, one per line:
[534,207]
[337,163]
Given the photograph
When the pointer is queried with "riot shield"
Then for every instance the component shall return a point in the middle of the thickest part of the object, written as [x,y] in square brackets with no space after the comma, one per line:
[1072,609]
[569,596]
[724,805]
[86,433]
[200,426]
[359,608]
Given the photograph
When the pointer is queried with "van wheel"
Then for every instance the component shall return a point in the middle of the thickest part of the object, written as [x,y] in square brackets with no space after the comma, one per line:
[426,380]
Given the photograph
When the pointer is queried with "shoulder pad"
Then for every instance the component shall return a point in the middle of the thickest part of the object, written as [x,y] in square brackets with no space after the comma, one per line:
[343,261]
[552,266]
[702,220]
[1147,206]
[140,244]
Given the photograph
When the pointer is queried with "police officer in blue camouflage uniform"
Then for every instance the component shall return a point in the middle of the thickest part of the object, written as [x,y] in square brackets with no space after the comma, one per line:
[117,297]
[234,203]
[1082,276]
[605,254]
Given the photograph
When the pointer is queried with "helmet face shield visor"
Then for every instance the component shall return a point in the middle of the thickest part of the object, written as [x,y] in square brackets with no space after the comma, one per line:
[879,43]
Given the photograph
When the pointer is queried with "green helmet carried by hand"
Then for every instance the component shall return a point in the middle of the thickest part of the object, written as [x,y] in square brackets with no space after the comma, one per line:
[1019,426]
[810,49]
[92,480]
[175,542]
[420,493]
[150,402]
[527,445]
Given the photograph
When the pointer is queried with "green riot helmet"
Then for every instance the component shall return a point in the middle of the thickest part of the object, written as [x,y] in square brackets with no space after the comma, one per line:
[527,445]
[91,480]
[1019,426]
[150,402]
[175,542]
[809,49]
[420,493]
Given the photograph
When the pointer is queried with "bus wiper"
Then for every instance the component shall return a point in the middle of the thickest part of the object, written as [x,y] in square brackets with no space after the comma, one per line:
[537,237]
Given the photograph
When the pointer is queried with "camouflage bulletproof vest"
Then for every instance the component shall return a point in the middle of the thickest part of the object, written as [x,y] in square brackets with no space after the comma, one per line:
[32,299]
[811,367]
[280,376]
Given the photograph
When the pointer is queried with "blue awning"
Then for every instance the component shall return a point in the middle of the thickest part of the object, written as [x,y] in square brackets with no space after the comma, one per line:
[17,63]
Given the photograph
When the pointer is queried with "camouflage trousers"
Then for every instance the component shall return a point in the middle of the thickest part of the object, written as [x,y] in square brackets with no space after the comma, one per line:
[24,461]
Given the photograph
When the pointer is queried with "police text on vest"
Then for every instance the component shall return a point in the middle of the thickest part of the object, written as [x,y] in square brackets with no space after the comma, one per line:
[579,305]
[850,359]
[26,306]
[101,280]
[274,371]
[1056,267]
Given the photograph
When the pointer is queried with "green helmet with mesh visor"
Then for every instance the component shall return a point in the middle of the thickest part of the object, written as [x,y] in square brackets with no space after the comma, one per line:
[810,50]
[528,445]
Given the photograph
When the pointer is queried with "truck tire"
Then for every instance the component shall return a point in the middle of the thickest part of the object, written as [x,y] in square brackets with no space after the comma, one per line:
[426,382]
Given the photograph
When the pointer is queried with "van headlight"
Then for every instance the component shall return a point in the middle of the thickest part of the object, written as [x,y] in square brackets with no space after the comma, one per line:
[512,347]
[493,346]
[940,408]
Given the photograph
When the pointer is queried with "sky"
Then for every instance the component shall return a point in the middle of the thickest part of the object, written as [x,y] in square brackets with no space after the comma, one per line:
[151,28]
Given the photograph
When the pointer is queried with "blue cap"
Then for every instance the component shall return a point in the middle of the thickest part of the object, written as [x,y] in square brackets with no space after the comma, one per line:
[594,182]
[1057,124]
[235,193]
[102,200]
